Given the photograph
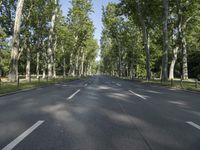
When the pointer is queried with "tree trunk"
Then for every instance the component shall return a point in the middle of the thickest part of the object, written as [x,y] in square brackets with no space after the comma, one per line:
[54,58]
[43,73]
[90,70]
[64,62]
[119,53]
[171,71]
[82,64]
[184,59]
[50,42]
[165,42]
[72,66]
[176,41]
[44,66]
[120,63]
[145,39]
[132,71]
[38,65]
[77,65]
[87,69]
[13,72]
[184,43]
[28,64]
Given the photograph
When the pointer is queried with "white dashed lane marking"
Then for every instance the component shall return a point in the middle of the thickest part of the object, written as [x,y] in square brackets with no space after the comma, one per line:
[73,94]
[193,124]
[138,95]
[12,144]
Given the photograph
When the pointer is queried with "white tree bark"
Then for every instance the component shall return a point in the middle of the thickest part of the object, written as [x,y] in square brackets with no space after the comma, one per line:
[184,57]
[43,73]
[50,42]
[38,65]
[77,65]
[174,59]
[13,72]
[54,58]
[45,65]
[184,47]
[64,62]
[28,64]
[176,39]
[72,66]
[82,63]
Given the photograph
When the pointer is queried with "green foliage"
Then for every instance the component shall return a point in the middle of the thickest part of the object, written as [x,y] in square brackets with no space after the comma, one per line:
[4,53]
[193,60]
[83,46]
[123,32]
[122,43]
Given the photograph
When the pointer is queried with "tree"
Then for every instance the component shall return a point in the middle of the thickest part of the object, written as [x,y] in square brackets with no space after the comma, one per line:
[145,38]
[143,14]
[81,27]
[13,73]
[51,42]
[165,41]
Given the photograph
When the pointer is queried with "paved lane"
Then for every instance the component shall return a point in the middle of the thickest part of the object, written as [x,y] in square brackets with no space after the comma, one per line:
[101,113]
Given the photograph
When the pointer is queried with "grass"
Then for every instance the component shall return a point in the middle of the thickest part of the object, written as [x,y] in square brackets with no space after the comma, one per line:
[178,84]
[8,87]
[190,84]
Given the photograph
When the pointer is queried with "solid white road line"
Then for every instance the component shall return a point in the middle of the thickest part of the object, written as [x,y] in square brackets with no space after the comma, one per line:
[141,96]
[73,94]
[11,145]
[193,124]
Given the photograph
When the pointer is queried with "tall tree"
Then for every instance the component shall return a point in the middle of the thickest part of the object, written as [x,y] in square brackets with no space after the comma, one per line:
[82,28]
[165,41]
[145,38]
[13,73]
[51,41]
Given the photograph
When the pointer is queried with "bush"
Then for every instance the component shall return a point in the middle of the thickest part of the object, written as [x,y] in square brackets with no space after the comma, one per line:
[198,77]
[193,65]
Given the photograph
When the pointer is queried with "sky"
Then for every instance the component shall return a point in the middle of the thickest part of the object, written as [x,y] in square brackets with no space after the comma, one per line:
[96,16]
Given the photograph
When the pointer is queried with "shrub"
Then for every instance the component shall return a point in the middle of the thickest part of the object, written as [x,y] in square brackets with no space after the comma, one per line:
[198,77]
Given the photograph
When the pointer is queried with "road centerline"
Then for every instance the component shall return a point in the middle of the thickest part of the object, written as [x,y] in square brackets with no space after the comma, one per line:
[138,95]
[21,137]
[193,124]
[73,94]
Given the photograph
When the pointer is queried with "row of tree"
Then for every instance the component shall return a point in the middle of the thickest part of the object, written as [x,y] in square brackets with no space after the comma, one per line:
[157,38]
[40,40]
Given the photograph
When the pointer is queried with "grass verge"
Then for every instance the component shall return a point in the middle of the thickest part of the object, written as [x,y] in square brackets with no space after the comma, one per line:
[7,87]
[177,83]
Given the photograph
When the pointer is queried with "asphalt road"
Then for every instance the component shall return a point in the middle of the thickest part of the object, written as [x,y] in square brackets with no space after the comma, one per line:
[100,113]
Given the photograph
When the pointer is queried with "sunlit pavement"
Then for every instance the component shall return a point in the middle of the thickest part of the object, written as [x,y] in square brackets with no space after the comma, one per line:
[100,113]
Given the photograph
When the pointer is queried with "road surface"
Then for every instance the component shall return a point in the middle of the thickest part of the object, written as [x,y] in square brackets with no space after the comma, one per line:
[100,113]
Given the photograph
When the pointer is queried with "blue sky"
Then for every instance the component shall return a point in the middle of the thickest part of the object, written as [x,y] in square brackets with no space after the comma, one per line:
[96,16]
